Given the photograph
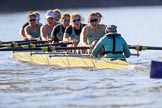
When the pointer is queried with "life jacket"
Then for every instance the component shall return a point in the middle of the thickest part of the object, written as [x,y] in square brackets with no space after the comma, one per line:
[114,50]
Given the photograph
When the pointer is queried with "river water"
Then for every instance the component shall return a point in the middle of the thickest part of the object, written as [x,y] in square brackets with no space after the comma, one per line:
[24,85]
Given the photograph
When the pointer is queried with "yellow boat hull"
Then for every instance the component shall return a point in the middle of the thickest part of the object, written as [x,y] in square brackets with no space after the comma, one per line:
[71,61]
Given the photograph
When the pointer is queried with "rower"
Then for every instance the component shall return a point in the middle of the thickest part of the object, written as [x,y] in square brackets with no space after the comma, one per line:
[92,32]
[59,29]
[58,15]
[32,31]
[47,28]
[114,45]
[99,16]
[22,31]
[72,32]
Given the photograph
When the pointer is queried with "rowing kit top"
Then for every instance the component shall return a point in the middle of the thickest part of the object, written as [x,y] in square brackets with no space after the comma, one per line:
[92,36]
[58,32]
[73,33]
[35,34]
[49,30]
[114,46]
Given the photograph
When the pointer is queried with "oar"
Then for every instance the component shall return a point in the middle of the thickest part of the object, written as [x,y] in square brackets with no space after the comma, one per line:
[18,43]
[63,44]
[34,44]
[140,47]
[21,41]
[55,44]
[44,49]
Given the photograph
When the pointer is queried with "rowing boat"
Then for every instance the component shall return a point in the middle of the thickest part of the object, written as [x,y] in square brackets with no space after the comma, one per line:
[70,60]
[46,54]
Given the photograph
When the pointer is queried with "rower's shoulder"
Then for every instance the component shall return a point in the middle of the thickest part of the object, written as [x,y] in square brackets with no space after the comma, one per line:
[103,26]
[27,27]
[85,28]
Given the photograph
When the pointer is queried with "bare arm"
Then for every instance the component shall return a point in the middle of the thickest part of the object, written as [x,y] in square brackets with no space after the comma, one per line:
[22,34]
[67,33]
[43,33]
[103,28]
[66,37]
[84,36]
[28,34]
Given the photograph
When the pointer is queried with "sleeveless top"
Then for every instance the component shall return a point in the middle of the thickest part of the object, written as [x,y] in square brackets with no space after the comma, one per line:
[74,36]
[49,30]
[35,34]
[92,36]
[60,34]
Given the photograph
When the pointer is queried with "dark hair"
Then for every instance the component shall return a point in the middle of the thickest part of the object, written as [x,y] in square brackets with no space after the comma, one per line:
[111,28]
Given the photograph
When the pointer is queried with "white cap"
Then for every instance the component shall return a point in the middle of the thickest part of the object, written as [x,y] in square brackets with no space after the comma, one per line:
[50,14]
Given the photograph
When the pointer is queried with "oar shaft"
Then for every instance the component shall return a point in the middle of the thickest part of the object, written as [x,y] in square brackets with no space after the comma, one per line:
[140,47]
[16,44]
[71,48]
[33,44]
[48,48]
[54,44]
[152,48]
[19,49]
[18,41]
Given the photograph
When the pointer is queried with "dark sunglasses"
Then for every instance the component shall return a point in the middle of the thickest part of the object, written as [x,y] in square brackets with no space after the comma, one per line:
[76,20]
[32,20]
[93,20]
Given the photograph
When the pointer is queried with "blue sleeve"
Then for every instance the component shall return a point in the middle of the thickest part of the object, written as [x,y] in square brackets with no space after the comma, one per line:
[126,49]
[97,48]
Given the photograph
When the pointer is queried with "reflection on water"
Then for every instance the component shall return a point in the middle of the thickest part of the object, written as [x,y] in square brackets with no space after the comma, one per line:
[26,85]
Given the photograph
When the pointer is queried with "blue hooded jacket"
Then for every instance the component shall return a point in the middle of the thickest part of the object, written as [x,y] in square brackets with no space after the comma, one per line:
[114,46]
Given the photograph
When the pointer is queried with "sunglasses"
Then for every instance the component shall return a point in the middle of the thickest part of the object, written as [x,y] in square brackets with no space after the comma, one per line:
[76,20]
[93,20]
[32,20]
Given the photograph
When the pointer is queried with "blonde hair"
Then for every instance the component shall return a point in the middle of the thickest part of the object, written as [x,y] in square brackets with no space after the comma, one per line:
[90,15]
[99,14]
[36,12]
[75,14]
